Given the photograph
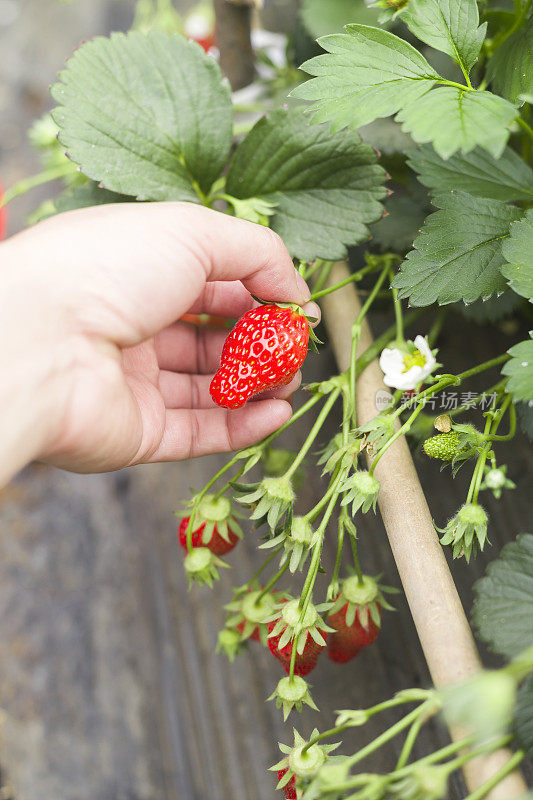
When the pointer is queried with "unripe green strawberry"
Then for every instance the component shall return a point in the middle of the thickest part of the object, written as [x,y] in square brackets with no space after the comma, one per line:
[442,446]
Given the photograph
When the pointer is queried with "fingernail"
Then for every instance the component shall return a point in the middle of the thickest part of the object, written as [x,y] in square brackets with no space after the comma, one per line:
[303,288]
[313,310]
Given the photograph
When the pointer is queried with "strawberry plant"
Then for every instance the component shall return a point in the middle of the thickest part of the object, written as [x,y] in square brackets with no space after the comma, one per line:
[405,146]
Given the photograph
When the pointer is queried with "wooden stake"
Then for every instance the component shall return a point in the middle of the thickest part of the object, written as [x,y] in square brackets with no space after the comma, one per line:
[438,614]
[232,25]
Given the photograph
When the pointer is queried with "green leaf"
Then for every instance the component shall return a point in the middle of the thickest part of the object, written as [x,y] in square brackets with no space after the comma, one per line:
[451,26]
[366,73]
[525,417]
[510,68]
[321,18]
[453,120]
[458,254]
[145,115]
[523,719]
[503,609]
[478,173]
[90,194]
[518,251]
[326,188]
[520,370]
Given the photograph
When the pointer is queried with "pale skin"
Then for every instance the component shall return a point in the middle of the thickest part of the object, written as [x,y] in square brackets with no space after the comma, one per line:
[97,371]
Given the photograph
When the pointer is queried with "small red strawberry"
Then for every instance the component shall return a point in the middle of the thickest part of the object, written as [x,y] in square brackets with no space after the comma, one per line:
[355,617]
[310,636]
[215,526]
[290,788]
[264,350]
[348,640]
[3,216]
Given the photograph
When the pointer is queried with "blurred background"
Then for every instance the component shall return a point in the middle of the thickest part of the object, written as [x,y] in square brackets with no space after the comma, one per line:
[109,685]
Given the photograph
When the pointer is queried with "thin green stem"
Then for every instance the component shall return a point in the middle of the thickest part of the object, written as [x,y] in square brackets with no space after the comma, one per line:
[26,184]
[324,275]
[355,556]
[507,404]
[372,296]
[313,433]
[385,737]
[272,582]
[409,743]
[477,475]
[444,82]
[405,427]
[398,315]
[492,362]
[315,511]
[498,776]
[436,328]
[338,557]
[356,276]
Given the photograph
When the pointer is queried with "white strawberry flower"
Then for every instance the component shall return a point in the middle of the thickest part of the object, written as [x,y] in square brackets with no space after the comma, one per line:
[406,368]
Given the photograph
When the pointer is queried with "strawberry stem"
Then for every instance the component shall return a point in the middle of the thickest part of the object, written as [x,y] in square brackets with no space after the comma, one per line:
[313,433]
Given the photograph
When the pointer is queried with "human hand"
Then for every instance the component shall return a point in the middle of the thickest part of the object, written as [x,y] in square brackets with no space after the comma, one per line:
[105,375]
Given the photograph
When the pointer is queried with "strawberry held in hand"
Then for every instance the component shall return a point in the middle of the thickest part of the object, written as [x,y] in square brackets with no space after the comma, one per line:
[264,350]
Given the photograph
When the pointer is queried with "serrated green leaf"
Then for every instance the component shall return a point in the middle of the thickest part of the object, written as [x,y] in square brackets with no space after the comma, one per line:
[458,253]
[518,251]
[366,73]
[453,119]
[321,18]
[90,194]
[451,26]
[386,136]
[510,68]
[520,370]
[478,173]
[326,188]
[145,115]
[523,718]
[503,609]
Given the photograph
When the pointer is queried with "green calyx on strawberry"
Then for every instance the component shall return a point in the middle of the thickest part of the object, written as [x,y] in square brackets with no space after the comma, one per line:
[215,526]
[467,531]
[356,617]
[307,632]
[270,499]
[201,566]
[251,613]
[461,443]
[377,432]
[338,454]
[265,350]
[302,762]
[230,643]
[360,489]
[297,542]
[495,479]
[292,692]
[424,782]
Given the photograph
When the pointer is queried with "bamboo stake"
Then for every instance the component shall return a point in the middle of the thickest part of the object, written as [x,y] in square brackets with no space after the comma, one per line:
[438,614]
[233,23]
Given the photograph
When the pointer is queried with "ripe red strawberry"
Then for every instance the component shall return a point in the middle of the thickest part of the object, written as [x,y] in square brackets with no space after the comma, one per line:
[3,216]
[216,526]
[356,617]
[216,544]
[348,640]
[290,787]
[283,627]
[264,350]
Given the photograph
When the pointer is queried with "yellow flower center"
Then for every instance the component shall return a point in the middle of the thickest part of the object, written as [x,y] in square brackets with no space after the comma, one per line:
[416,359]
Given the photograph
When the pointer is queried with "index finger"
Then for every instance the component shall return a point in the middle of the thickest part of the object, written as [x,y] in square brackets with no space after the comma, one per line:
[234,249]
